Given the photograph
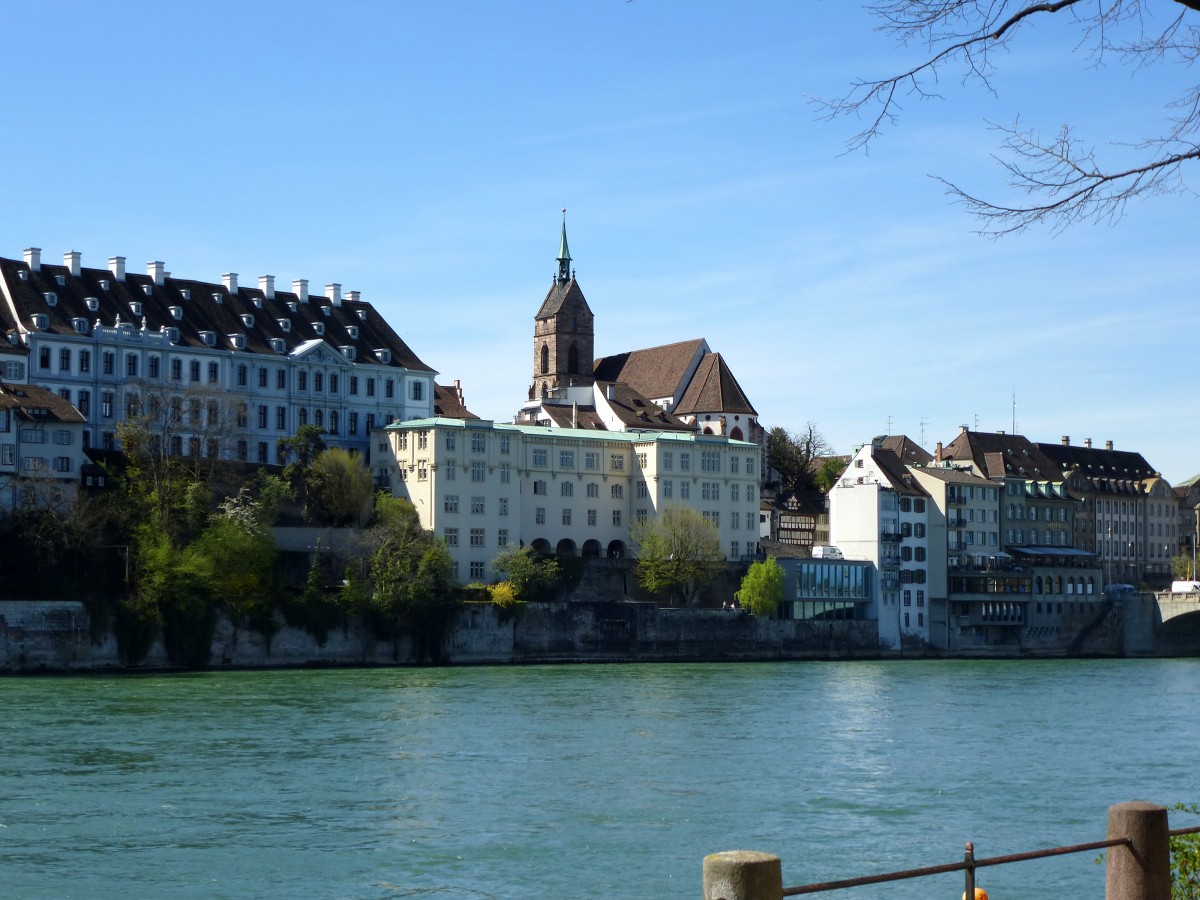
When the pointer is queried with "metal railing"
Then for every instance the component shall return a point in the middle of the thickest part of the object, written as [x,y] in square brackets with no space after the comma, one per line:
[1142,871]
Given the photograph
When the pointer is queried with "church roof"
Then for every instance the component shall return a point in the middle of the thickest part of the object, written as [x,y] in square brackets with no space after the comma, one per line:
[713,389]
[655,372]
[448,401]
[561,293]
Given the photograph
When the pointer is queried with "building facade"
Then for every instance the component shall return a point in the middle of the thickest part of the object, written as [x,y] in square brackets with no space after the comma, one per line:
[485,488]
[41,448]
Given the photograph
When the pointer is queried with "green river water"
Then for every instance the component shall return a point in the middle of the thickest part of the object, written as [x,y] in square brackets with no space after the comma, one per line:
[580,781]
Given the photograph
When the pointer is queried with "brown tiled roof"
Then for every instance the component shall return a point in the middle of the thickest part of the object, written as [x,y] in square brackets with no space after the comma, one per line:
[713,389]
[637,411]
[566,417]
[27,401]
[205,307]
[448,402]
[908,450]
[901,479]
[1021,457]
[1100,465]
[655,372]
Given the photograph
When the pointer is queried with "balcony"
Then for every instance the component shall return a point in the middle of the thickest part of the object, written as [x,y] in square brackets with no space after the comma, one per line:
[889,536]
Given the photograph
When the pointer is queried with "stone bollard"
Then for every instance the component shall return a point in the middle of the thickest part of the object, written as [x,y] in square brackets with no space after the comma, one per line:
[742,875]
[1141,871]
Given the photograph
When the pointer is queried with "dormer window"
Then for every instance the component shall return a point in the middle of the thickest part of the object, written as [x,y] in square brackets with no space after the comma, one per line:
[258,302]
[185,293]
[318,327]
[93,303]
[148,289]
[352,330]
[103,284]
[278,345]
[51,298]
[135,307]
[293,305]
[61,279]
[384,356]
[362,314]
[238,341]
[80,325]
[176,312]
[209,338]
[173,335]
[327,310]
[248,320]
[23,274]
[218,299]
[349,352]
[284,324]
[41,321]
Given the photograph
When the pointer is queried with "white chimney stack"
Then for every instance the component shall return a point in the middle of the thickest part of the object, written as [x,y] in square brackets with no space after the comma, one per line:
[352,296]
[33,258]
[300,289]
[334,293]
[116,265]
[266,284]
[229,279]
[157,271]
[71,261]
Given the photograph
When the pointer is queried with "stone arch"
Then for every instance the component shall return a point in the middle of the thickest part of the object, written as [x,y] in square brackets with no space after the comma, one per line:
[736,434]
[541,546]
[566,547]
[591,548]
[616,549]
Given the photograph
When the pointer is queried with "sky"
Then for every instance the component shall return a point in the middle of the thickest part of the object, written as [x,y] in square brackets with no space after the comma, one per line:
[421,153]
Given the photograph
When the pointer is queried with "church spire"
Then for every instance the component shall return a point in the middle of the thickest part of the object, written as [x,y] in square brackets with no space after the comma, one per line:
[564,255]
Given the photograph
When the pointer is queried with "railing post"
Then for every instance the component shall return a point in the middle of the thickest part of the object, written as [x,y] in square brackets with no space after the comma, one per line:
[742,875]
[969,870]
[1140,870]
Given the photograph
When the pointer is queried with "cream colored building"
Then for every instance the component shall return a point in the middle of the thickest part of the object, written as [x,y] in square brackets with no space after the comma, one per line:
[485,487]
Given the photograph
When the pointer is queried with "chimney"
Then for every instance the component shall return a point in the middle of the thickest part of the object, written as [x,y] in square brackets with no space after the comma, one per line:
[266,284]
[71,261]
[33,258]
[1108,445]
[962,429]
[116,265]
[937,452]
[1066,440]
[157,271]
[352,296]
[334,293]
[574,415]
[229,279]
[1087,442]
[300,289]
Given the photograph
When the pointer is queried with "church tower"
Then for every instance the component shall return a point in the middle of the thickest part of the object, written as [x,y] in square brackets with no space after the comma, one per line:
[563,333]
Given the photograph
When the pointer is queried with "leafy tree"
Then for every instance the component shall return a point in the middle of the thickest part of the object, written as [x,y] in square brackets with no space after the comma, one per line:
[828,474]
[242,559]
[1185,860]
[301,451]
[1182,568]
[531,575]
[762,588]
[174,587]
[1064,180]
[678,550]
[503,594]
[797,456]
[340,487]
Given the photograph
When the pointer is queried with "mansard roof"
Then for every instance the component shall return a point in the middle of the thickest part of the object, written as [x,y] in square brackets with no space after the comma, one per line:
[713,389]
[38,404]
[1107,469]
[1000,455]
[562,294]
[656,372]
[201,307]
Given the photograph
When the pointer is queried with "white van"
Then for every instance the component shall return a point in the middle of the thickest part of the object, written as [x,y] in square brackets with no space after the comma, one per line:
[826,553]
[1184,587]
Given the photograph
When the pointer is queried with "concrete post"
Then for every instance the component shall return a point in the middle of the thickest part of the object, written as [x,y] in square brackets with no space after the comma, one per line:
[742,875]
[1141,871]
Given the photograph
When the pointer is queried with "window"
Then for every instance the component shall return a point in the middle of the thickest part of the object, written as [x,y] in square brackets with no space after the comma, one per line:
[617,491]
[33,436]
[131,405]
[85,402]
[213,372]
[501,537]
[352,425]
[262,417]
[642,490]
[477,506]
[539,487]
[281,418]
[539,515]
[64,360]
[733,465]
[641,458]
[422,439]
[44,358]
[504,473]
[302,380]
[566,459]
[566,517]
[539,457]
[108,361]
[451,470]
[281,379]
[476,570]
[154,363]
[106,404]
[616,518]
[919,530]
[476,537]
[591,460]
[920,598]
[567,489]
[616,462]
[318,382]
[451,536]
[262,451]
[735,521]
[502,505]
[194,370]
[418,392]
[85,361]
[710,460]
[908,598]
[177,370]
[668,489]
[449,440]
[734,549]
[591,517]
[370,387]
[243,450]
[640,515]
[685,490]
[262,377]
[389,390]
[8,455]
[685,462]
[668,461]
[478,443]
[593,490]
[749,465]
[422,471]
[33,463]
[504,444]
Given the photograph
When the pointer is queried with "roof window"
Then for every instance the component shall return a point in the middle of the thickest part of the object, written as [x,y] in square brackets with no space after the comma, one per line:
[80,325]
[51,298]
[209,337]
[248,319]
[284,324]
[278,345]
[177,312]
[384,355]
[41,321]
[349,352]
[103,284]
[238,341]
[135,307]
[93,303]
[362,314]
[148,289]
[218,298]
[185,293]
[61,279]
[23,274]
[318,327]
[352,330]
[173,335]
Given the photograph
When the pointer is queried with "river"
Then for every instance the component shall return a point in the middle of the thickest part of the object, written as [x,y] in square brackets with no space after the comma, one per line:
[580,781]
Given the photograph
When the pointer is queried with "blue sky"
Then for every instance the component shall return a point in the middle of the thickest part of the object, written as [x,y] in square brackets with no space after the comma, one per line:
[420,153]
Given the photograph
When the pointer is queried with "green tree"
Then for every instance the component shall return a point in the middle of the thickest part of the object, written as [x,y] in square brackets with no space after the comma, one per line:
[678,551]
[174,587]
[1185,860]
[301,451]
[1182,568]
[242,560]
[762,588]
[532,576]
[1059,180]
[340,487]
[797,456]
[828,474]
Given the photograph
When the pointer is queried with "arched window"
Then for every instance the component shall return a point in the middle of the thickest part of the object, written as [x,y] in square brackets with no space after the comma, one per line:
[319,418]
[333,422]
[573,359]
[545,359]
[303,416]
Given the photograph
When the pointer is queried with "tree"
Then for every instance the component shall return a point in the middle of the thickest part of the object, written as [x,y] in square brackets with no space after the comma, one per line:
[1063,178]
[1185,860]
[305,446]
[1182,567]
[762,588]
[828,473]
[796,456]
[678,550]
[531,575]
[340,487]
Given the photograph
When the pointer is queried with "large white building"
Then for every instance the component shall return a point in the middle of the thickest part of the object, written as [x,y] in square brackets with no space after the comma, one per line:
[485,487]
[220,369]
